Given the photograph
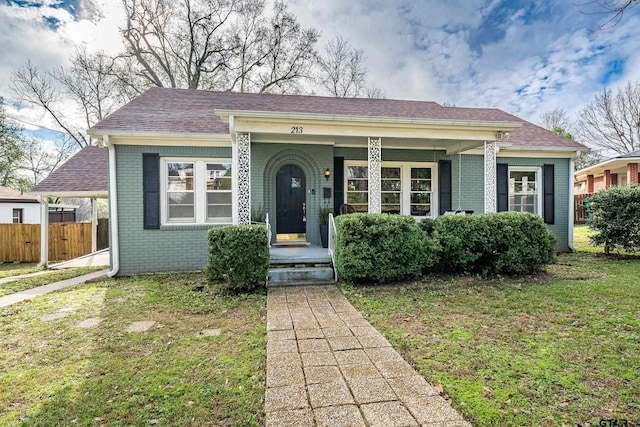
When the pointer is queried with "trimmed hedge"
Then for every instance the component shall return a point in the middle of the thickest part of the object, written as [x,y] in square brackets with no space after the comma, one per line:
[616,218]
[238,255]
[508,243]
[380,248]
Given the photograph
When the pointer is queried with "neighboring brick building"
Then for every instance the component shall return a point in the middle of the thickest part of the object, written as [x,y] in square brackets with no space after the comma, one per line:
[621,170]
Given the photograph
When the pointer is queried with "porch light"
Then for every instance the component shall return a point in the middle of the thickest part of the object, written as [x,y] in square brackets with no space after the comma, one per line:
[327,174]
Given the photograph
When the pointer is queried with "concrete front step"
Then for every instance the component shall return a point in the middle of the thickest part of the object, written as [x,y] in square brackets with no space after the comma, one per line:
[292,276]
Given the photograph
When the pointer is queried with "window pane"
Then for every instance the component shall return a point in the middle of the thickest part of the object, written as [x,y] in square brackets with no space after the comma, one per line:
[357,172]
[180,198]
[218,176]
[417,185]
[388,198]
[219,198]
[420,210]
[390,209]
[421,173]
[354,198]
[180,176]
[219,212]
[390,173]
[391,185]
[181,212]
[357,185]
[420,198]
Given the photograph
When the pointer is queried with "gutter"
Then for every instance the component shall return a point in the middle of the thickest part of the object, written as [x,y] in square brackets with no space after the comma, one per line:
[113,209]
[571,200]
[44,231]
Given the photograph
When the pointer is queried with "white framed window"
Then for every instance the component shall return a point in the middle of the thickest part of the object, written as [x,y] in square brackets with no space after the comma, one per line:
[525,187]
[406,188]
[18,216]
[196,191]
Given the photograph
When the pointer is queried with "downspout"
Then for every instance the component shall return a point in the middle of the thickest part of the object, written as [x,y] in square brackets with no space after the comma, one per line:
[44,231]
[571,199]
[113,209]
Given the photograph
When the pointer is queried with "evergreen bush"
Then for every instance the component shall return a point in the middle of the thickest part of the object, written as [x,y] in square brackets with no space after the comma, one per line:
[238,255]
[379,248]
[616,218]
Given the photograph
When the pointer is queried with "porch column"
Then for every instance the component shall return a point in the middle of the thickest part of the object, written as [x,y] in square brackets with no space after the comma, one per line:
[590,183]
[241,164]
[94,224]
[632,173]
[375,184]
[607,178]
[490,151]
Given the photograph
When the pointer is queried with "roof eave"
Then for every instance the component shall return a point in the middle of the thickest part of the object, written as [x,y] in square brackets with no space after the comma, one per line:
[99,194]
[489,124]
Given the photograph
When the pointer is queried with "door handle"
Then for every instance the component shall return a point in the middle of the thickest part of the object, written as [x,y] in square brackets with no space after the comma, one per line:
[304,212]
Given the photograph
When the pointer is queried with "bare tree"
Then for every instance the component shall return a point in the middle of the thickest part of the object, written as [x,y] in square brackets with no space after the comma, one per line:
[554,119]
[613,10]
[41,157]
[342,69]
[612,122]
[216,45]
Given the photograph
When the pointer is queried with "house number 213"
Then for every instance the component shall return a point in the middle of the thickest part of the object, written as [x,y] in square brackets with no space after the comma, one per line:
[296,129]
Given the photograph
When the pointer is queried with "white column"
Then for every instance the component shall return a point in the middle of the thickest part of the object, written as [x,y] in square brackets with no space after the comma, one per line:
[44,231]
[375,183]
[490,151]
[94,224]
[241,162]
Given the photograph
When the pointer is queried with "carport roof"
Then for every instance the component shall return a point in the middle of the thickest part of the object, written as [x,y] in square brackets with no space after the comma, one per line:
[83,175]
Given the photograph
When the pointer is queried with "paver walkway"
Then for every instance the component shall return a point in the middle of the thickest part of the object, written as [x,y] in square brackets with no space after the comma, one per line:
[327,366]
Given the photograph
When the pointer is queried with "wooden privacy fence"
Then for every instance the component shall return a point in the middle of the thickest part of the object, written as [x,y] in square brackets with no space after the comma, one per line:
[580,213]
[21,242]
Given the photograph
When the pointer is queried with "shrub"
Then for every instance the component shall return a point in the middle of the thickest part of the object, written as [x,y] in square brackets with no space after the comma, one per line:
[239,254]
[379,248]
[490,244]
[616,218]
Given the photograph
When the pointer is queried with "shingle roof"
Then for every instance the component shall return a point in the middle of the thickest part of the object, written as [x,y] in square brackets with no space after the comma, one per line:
[162,110]
[631,155]
[10,195]
[86,172]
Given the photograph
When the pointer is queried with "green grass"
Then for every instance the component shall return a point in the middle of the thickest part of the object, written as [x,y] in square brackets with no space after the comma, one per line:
[581,234]
[54,372]
[45,278]
[560,348]
[8,269]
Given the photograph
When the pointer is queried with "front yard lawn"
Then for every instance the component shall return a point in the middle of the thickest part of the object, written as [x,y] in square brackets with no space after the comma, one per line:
[67,359]
[560,348]
[46,277]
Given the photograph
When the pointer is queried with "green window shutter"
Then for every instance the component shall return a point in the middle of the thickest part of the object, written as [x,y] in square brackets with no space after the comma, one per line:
[444,185]
[338,183]
[549,204]
[502,183]
[151,190]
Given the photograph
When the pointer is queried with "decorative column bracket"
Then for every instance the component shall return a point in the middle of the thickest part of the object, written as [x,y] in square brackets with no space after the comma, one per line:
[242,174]
[490,189]
[375,181]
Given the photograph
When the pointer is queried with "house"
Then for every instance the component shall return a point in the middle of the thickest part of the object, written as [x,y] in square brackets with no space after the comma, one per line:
[183,161]
[17,207]
[621,170]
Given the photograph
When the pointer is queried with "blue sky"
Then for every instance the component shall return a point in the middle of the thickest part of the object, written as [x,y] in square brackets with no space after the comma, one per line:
[524,57]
